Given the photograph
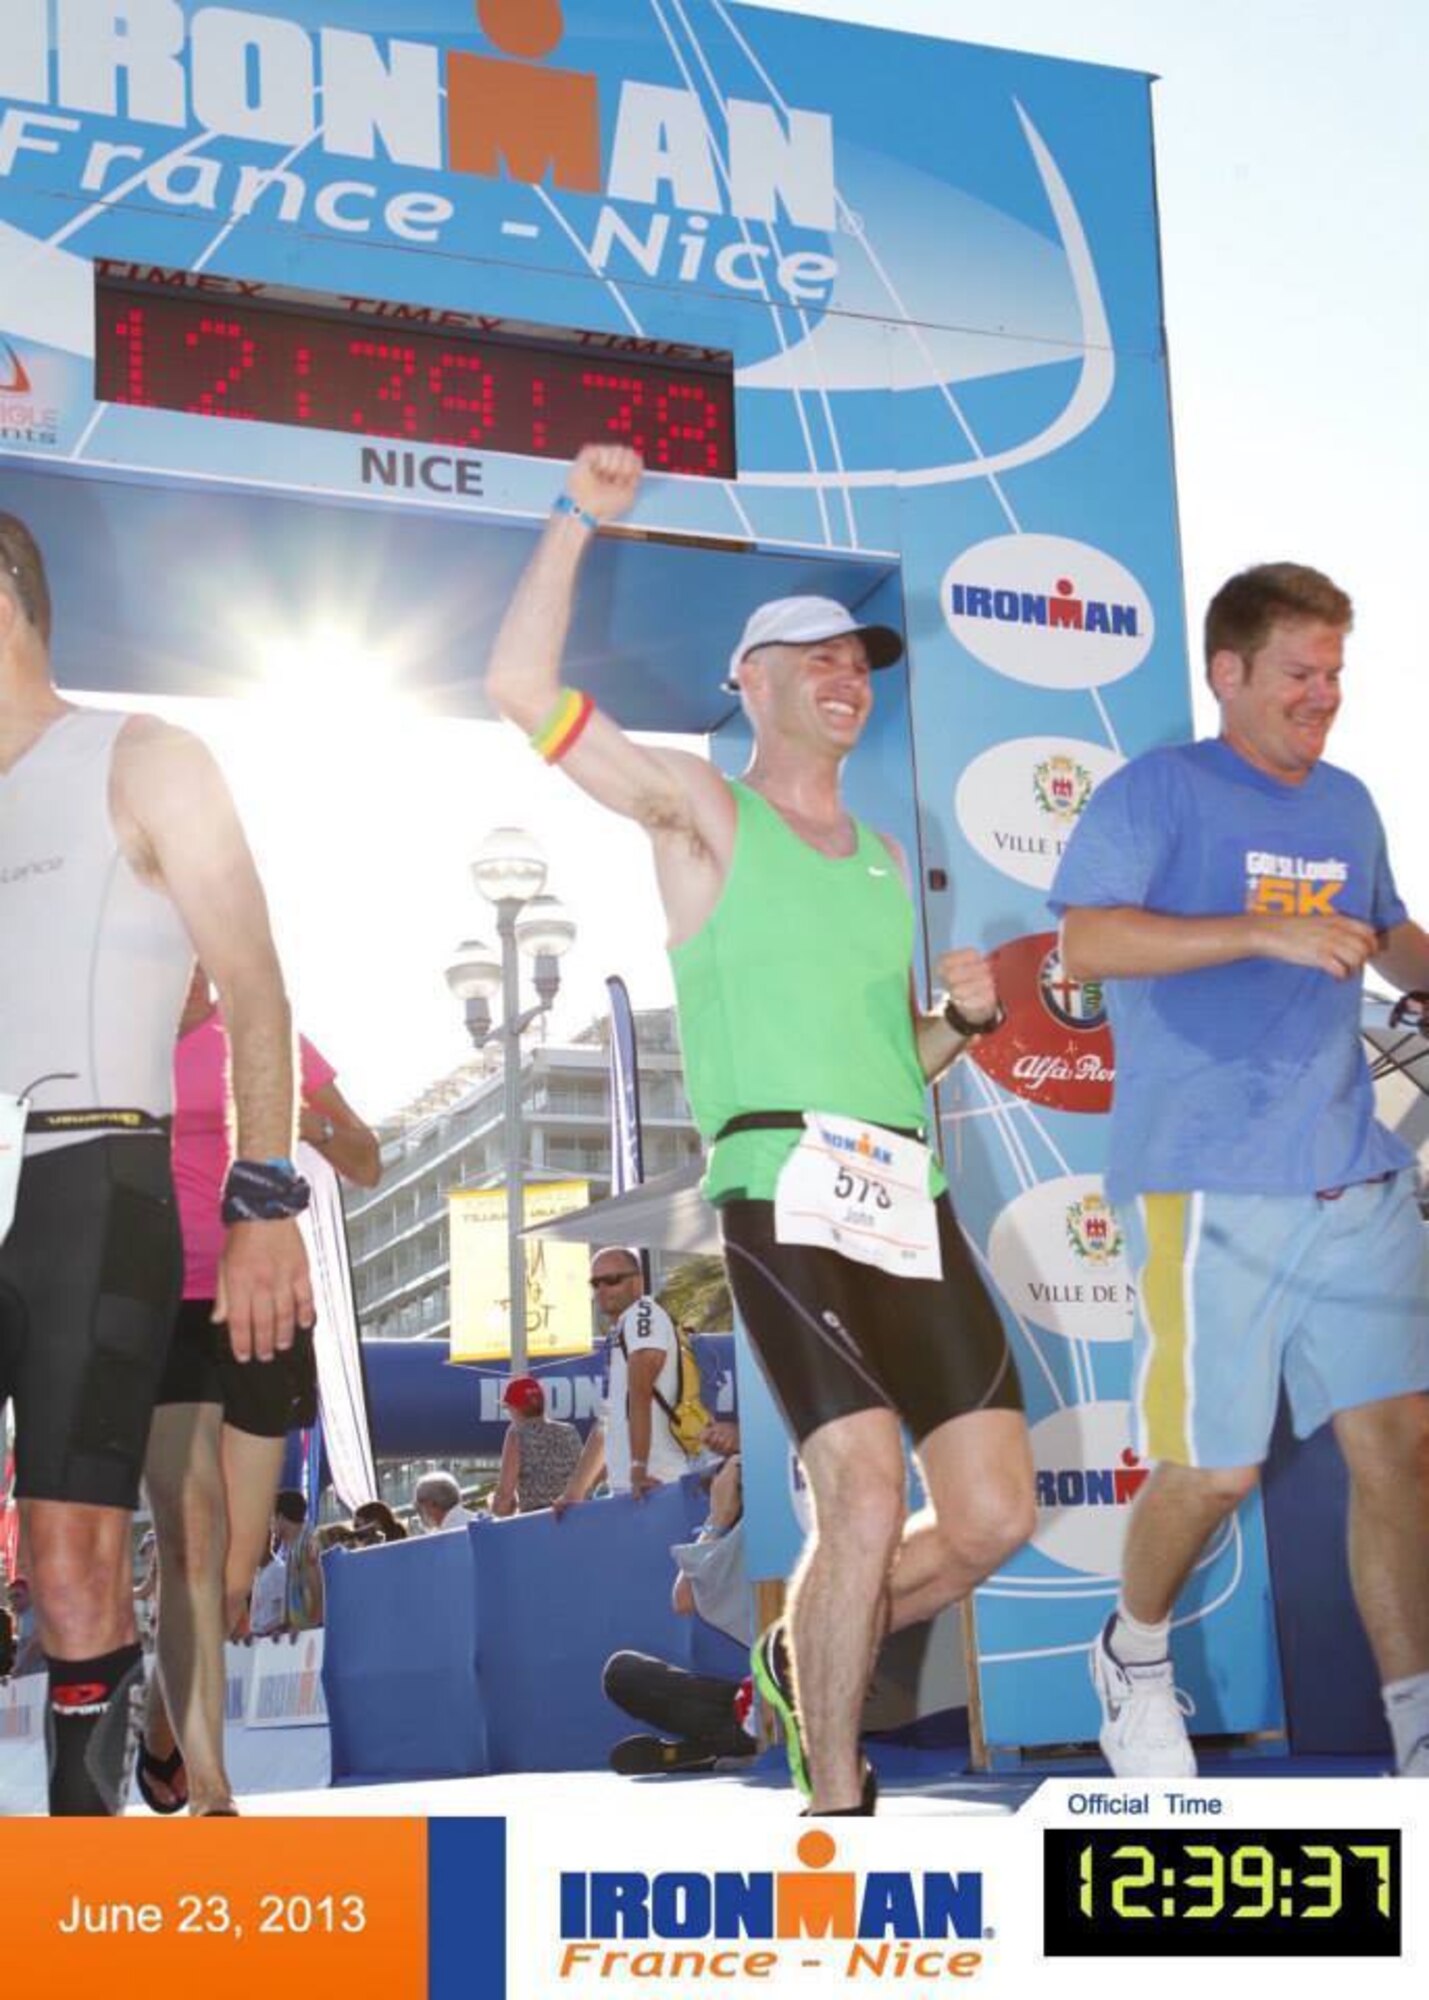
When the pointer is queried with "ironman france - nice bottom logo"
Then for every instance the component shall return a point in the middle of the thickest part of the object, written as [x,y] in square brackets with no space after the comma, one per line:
[620,1926]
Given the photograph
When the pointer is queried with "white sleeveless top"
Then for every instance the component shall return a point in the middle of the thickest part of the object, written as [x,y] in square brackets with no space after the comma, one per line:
[94,963]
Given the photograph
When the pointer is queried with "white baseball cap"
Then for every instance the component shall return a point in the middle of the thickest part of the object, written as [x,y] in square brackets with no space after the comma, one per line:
[803,621]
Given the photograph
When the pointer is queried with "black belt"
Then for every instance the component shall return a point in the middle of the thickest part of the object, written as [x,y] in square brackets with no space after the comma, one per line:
[793,1121]
[98,1121]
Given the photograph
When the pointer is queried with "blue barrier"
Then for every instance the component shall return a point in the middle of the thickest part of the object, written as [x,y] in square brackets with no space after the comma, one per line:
[463,1655]
[557,1599]
[472,1654]
[399,1666]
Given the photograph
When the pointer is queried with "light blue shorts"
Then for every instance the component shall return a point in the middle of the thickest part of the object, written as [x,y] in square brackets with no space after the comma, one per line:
[1234,1291]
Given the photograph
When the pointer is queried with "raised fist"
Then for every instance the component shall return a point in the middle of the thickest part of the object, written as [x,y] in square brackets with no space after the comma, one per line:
[604,479]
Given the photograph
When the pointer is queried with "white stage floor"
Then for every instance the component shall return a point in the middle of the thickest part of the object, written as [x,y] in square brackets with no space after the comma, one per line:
[760,1795]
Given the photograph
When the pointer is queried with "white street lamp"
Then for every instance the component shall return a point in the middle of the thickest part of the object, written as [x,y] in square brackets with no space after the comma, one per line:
[545,933]
[473,976]
[509,867]
[510,872]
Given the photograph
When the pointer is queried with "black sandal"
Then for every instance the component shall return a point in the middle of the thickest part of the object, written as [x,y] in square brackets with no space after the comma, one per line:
[165,1770]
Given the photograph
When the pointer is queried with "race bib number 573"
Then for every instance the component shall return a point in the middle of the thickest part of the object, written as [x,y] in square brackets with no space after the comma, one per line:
[860,1190]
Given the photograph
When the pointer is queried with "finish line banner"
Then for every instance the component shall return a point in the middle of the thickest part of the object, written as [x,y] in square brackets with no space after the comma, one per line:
[717,1887]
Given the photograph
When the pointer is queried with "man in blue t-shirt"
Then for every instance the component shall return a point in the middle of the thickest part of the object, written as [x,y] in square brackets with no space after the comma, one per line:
[1230,893]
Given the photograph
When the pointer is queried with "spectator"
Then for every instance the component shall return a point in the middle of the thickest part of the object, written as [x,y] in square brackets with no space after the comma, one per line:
[720,1437]
[701,1717]
[29,1654]
[538,1455]
[288,1590]
[303,1591]
[631,1443]
[265,1603]
[146,1591]
[374,1521]
[437,1499]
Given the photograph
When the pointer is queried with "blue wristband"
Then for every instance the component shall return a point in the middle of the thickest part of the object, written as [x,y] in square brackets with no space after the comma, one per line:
[565,505]
[263,1191]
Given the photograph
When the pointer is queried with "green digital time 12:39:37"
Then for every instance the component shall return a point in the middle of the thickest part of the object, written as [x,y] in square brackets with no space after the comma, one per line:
[1189,1892]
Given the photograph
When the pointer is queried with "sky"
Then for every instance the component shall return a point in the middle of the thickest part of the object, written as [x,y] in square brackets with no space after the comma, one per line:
[1292,164]
[1292,161]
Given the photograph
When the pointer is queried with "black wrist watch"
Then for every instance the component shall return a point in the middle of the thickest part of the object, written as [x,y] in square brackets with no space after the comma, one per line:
[970,1030]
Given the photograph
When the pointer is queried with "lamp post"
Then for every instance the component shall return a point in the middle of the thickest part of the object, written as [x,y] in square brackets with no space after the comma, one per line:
[510,872]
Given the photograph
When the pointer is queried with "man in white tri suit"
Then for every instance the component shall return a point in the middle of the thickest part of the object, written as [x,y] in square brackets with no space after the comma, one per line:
[121,856]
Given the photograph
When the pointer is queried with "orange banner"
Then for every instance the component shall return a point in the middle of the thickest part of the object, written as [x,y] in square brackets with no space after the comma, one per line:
[225,1908]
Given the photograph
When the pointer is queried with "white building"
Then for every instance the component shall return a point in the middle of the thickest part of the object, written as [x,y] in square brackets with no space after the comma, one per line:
[453,1137]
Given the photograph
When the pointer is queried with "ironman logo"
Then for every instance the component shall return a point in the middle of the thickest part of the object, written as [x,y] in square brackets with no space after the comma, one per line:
[1047,611]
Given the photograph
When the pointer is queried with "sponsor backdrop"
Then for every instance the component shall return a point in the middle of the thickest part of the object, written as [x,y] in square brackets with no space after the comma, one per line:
[889,299]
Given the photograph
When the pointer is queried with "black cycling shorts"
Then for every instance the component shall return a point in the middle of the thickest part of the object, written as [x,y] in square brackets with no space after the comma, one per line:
[263,1398]
[833,1336]
[89,1276]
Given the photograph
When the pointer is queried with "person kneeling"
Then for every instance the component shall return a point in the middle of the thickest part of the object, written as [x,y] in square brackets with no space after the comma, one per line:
[701,1718]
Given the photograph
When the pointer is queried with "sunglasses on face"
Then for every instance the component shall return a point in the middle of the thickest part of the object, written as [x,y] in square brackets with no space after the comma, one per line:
[613,1278]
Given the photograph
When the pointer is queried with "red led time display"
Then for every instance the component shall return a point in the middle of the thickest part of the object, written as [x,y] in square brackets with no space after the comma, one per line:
[324,366]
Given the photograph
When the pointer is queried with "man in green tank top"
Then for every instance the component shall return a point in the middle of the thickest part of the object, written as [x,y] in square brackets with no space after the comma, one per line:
[807,1060]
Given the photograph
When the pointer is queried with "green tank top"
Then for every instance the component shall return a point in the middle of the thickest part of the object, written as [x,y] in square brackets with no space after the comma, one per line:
[794,996]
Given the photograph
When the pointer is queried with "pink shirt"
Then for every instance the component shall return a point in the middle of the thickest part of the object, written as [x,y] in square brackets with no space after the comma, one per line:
[202,1148]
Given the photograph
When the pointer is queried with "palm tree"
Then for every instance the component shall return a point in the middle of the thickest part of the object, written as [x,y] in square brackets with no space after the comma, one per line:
[697,1294]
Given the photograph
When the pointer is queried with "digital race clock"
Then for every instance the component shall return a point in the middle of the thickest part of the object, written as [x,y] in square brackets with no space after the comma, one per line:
[1220,1894]
[216,347]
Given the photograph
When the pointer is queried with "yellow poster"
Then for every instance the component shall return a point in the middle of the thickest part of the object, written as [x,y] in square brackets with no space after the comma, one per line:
[557,1288]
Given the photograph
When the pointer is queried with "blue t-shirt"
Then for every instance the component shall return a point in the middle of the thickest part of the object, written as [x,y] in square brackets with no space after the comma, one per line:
[1247,1078]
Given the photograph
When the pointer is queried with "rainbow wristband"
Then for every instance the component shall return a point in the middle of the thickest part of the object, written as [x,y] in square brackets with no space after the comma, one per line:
[566,505]
[561,729]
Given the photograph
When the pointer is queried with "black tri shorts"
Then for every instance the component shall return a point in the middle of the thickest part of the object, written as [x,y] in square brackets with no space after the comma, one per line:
[262,1398]
[833,1336]
[89,1276]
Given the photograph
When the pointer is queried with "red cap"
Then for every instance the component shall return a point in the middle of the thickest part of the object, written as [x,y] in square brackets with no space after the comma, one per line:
[525,1396]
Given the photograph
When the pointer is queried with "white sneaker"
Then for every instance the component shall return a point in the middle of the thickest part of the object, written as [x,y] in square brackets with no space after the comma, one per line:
[1143,1732]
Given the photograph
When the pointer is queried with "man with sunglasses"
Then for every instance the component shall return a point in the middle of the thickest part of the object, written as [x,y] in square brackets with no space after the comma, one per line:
[632,1441]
